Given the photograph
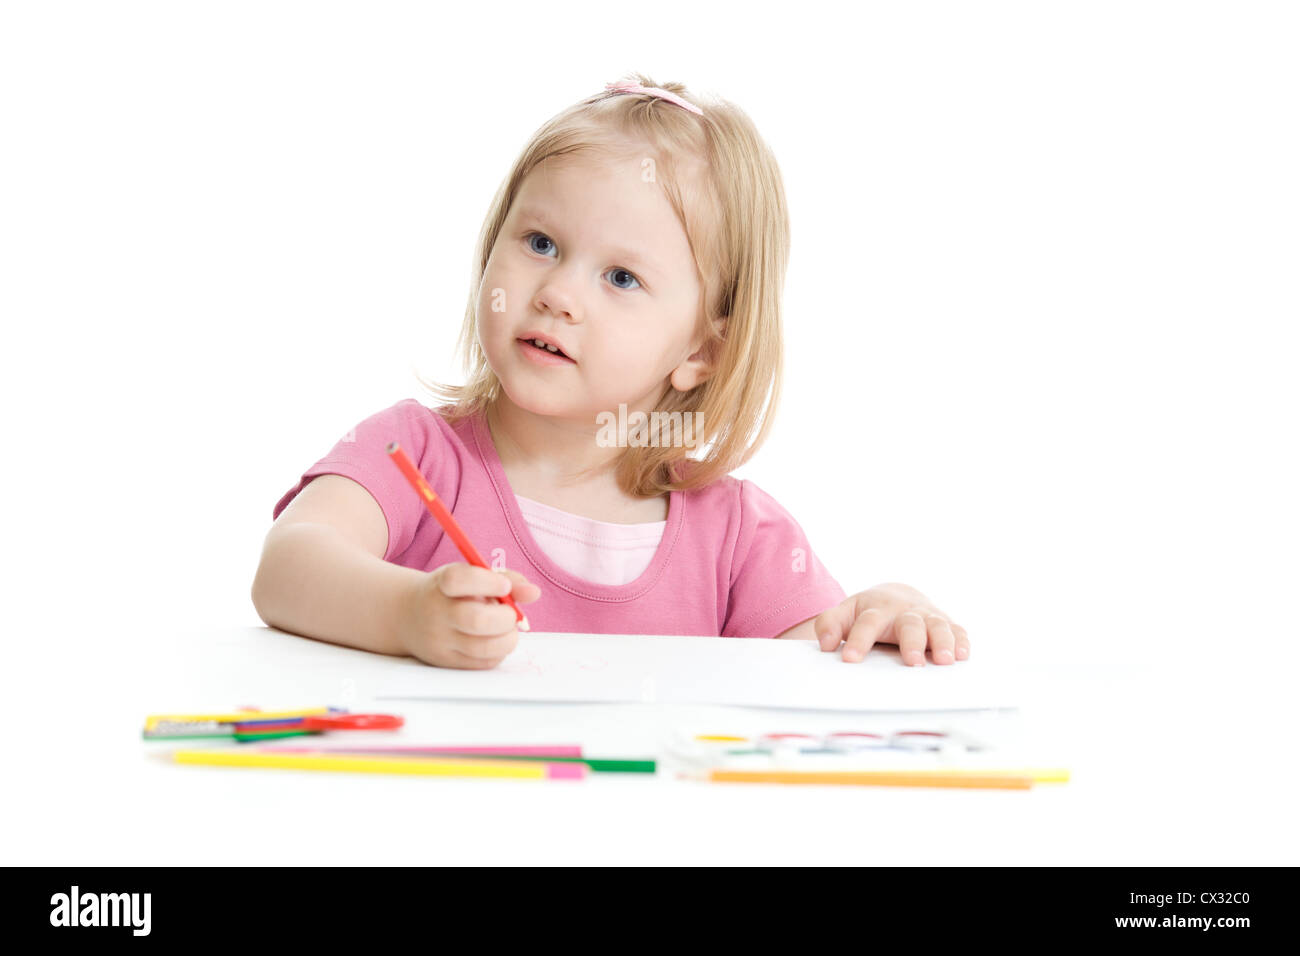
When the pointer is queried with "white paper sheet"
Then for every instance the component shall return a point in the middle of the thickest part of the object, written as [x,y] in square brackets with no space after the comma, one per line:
[623,668]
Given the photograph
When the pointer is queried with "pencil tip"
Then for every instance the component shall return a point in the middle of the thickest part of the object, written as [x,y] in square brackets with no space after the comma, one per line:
[523,625]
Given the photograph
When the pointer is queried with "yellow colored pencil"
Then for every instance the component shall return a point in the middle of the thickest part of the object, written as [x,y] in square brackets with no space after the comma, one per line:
[974,779]
[478,767]
[243,716]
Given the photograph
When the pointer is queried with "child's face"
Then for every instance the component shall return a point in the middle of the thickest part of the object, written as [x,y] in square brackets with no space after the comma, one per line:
[592,257]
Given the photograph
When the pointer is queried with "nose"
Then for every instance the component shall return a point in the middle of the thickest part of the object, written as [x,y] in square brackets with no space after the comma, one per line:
[559,297]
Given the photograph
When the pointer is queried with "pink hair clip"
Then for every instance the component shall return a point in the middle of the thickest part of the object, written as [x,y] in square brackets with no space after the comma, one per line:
[654,91]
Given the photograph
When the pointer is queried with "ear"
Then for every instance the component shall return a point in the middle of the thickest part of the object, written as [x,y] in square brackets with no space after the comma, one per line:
[699,367]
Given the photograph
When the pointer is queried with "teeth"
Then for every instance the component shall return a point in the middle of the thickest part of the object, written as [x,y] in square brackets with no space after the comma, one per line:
[542,345]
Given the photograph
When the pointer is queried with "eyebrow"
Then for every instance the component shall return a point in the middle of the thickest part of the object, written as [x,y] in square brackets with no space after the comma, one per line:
[628,256]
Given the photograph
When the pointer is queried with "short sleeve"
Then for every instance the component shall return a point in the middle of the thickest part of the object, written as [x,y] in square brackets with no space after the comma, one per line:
[362,456]
[776,581]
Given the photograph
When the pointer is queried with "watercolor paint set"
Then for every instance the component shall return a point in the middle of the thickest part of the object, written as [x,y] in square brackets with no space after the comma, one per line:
[948,753]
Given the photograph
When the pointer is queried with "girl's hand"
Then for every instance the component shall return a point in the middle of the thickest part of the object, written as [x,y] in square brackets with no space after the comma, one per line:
[891,614]
[451,618]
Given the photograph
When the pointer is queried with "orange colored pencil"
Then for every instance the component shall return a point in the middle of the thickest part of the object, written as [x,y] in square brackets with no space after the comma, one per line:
[449,524]
[879,778]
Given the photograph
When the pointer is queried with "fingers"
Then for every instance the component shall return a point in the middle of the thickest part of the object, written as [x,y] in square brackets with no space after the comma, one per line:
[833,623]
[943,642]
[483,653]
[481,618]
[473,633]
[467,580]
[867,629]
[962,642]
[482,631]
[948,641]
[910,632]
[524,591]
[455,617]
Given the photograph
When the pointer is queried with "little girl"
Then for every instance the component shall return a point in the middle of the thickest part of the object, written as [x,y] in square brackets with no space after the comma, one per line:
[626,314]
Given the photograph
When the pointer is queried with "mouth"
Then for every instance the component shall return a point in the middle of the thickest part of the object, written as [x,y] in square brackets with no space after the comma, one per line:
[544,349]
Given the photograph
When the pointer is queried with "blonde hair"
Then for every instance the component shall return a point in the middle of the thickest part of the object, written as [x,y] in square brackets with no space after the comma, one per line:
[739,234]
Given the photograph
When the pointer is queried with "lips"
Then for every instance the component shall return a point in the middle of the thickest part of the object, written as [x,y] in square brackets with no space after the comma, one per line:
[542,358]
[545,343]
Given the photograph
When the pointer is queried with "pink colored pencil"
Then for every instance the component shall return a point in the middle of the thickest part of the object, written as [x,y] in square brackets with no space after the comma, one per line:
[563,750]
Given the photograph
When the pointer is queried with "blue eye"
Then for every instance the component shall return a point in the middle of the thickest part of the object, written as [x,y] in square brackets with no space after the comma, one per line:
[624,272]
[532,244]
[542,245]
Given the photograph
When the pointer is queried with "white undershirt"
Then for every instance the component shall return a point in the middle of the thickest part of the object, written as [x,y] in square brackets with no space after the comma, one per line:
[598,551]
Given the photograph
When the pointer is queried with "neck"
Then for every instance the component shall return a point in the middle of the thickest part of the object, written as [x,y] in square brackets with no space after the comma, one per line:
[561,449]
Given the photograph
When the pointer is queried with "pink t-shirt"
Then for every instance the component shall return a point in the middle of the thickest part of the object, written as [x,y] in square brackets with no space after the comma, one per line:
[731,562]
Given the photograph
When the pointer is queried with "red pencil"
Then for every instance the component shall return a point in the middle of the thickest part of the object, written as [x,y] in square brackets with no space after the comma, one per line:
[439,511]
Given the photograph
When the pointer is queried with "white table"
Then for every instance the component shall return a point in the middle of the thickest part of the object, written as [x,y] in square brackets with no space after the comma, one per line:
[1210,794]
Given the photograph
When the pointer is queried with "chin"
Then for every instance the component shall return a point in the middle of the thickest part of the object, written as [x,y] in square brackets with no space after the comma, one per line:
[541,401]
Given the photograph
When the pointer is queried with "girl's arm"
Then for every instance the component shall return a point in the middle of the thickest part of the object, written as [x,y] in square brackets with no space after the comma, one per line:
[801,632]
[323,574]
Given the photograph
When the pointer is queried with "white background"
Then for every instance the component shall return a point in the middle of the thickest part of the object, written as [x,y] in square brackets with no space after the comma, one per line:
[1040,315]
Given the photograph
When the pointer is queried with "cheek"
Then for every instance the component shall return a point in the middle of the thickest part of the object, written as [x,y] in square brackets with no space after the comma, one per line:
[494,302]
[498,283]
[630,360]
